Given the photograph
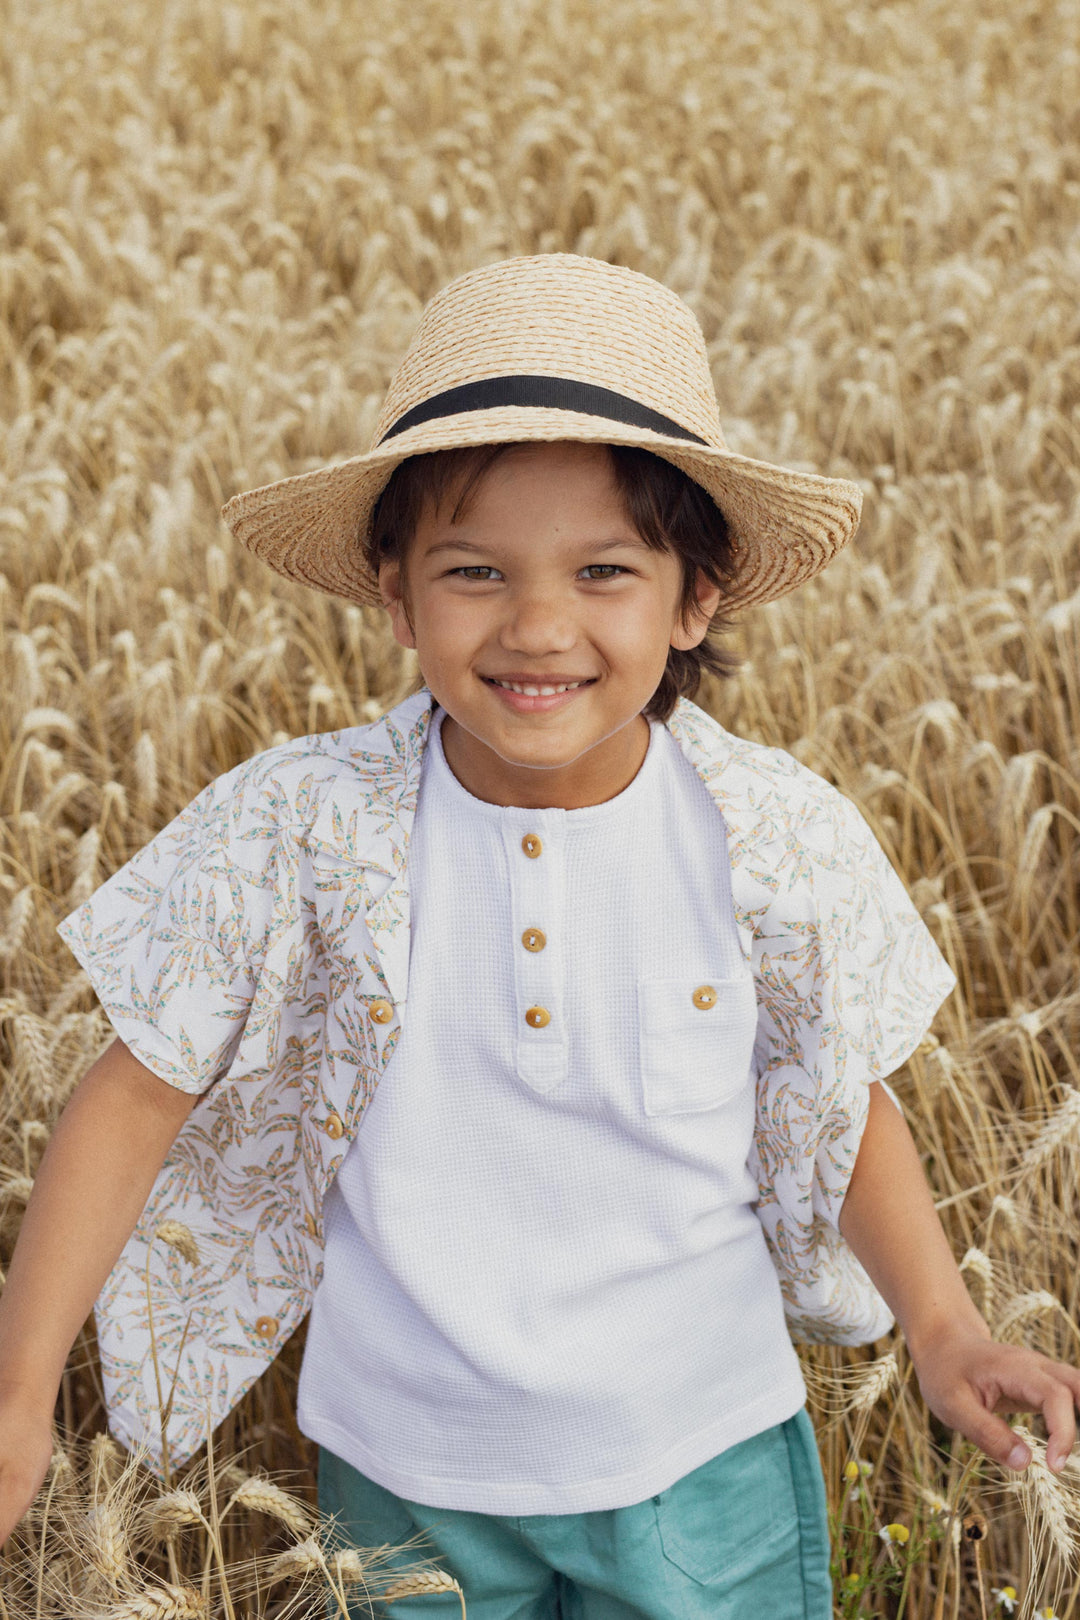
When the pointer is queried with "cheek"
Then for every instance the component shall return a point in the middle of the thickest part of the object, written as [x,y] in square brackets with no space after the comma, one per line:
[648,636]
[449,631]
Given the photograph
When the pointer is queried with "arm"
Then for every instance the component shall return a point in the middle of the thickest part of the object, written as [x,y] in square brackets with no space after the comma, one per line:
[91,1188]
[889,1220]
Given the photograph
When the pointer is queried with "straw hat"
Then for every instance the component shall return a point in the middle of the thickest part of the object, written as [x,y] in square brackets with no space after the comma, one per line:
[553,346]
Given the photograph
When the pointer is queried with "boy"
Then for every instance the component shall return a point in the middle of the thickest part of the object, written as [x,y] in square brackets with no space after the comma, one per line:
[654,976]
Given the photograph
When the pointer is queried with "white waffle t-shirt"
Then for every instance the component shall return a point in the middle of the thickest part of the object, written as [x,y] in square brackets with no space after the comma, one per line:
[545,1289]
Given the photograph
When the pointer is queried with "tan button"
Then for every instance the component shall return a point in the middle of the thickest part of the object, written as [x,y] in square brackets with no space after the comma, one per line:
[534,939]
[381,1011]
[334,1127]
[538,1017]
[531,845]
[704,997]
[266,1327]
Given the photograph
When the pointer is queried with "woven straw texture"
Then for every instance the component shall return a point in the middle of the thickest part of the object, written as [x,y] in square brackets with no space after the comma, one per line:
[556,315]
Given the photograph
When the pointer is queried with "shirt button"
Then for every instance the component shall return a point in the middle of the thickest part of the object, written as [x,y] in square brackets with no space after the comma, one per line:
[266,1327]
[704,997]
[534,939]
[334,1127]
[381,1012]
[531,845]
[538,1017]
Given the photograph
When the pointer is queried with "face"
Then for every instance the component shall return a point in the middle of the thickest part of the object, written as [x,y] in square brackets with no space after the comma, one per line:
[542,623]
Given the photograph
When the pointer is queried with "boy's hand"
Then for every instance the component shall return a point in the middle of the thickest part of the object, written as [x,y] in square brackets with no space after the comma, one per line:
[26,1445]
[966,1378]
[889,1219]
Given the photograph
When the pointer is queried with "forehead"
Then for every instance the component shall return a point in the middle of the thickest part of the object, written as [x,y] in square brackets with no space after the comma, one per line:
[564,483]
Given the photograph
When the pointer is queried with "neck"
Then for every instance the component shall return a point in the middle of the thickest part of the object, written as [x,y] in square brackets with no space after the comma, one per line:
[594,777]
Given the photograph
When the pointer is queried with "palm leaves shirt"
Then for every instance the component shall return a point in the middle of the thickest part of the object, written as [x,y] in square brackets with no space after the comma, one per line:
[256,953]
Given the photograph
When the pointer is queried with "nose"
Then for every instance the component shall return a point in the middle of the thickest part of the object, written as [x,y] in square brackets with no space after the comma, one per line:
[538,621]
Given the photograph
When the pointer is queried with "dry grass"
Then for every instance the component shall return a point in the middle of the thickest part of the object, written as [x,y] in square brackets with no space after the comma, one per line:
[218,223]
[98,1539]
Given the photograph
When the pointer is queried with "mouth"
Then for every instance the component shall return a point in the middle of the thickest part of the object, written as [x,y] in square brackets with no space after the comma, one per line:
[537,688]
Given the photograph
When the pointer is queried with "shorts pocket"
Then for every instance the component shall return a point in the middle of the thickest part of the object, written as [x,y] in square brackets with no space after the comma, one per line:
[734,1514]
[696,1041]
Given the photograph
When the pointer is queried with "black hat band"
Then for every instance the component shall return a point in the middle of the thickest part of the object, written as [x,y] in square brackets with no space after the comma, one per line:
[545,393]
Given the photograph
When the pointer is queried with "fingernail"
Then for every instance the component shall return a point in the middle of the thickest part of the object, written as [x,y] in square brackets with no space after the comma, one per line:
[1018,1456]
[1055,1460]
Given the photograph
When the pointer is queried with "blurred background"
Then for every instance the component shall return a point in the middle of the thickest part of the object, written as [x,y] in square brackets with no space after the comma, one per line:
[218,226]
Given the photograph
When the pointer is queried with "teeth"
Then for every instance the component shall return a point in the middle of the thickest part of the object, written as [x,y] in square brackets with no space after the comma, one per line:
[538,691]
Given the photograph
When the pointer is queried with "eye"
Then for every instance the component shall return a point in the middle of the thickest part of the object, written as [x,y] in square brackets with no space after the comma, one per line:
[603,570]
[478,571]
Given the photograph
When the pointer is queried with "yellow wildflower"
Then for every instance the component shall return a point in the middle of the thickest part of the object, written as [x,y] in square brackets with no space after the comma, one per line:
[855,1471]
[1006,1597]
[898,1533]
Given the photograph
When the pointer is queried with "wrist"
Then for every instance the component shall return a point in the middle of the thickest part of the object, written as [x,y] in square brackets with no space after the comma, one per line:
[29,1374]
[928,1332]
[30,1392]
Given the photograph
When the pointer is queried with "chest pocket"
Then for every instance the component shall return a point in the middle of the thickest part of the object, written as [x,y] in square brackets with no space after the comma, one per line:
[696,1041]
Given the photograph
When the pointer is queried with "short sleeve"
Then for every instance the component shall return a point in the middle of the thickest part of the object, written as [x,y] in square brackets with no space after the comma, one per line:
[173,940]
[849,979]
[880,974]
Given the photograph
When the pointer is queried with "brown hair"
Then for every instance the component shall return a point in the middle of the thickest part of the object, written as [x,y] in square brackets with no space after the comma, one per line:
[668,509]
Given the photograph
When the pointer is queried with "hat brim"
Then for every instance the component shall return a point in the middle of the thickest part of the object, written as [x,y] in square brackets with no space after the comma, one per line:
[786,526]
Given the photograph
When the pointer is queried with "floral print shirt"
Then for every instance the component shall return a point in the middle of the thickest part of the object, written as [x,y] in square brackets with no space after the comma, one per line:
[256,953]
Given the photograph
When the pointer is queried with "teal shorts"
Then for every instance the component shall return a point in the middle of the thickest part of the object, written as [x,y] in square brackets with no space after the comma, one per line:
[745,1535]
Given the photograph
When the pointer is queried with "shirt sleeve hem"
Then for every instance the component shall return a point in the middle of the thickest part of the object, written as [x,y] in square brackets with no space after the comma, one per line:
[136,1035]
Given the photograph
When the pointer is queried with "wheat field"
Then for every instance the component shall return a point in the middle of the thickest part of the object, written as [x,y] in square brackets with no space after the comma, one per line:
[218,225]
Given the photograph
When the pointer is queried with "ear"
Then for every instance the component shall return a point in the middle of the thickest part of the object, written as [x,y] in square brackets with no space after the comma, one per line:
[391,589]
[698,617]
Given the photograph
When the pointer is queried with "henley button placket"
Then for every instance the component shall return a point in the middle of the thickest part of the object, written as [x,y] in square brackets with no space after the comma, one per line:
[535,861]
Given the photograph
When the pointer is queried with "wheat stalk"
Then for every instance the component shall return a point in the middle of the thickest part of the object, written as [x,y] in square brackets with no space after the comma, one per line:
[295,1563]
[1060,1130]
[263,1496]
[423,1581]
[107,1541]
[1024,1306]
[174,1509]
[1048,1501]
[434,1580]
[877,1379]
[163,1602]
[348,1566]
[218,234]
[179,1237]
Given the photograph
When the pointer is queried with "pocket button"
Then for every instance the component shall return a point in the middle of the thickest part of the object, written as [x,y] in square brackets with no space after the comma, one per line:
[704,997]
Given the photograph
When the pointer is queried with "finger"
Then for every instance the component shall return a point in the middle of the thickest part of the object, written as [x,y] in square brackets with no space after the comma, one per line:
[1059,1415]
[989,1432]
[1041,1389]
[1060,1370]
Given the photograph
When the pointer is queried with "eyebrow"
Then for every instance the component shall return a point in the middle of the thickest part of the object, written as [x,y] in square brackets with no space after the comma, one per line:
[635,542]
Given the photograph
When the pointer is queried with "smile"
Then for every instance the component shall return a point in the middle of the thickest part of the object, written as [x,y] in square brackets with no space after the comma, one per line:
[535,691]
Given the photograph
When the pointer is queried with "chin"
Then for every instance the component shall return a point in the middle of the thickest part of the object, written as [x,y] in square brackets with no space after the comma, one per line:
[535,760]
